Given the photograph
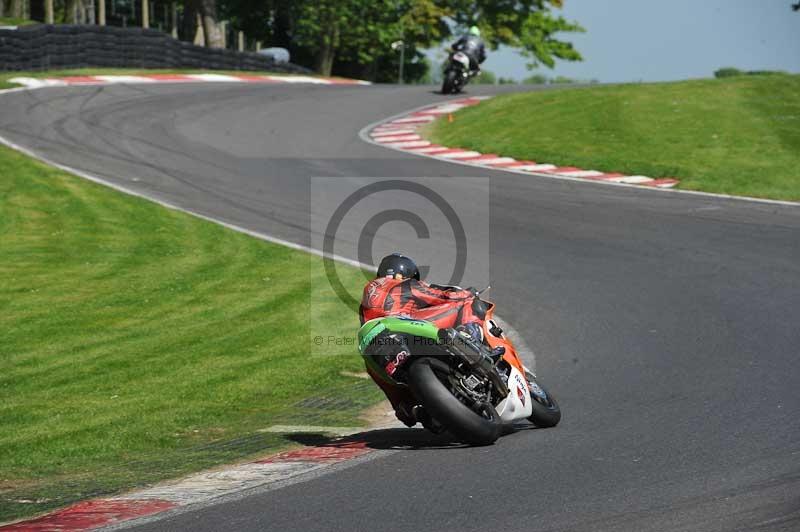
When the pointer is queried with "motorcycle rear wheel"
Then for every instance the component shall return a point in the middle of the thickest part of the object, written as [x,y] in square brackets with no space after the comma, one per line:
[462,422]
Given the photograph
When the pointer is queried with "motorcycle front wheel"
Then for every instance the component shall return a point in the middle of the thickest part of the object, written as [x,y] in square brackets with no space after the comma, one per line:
[546,412]
[480,426]
[449,82]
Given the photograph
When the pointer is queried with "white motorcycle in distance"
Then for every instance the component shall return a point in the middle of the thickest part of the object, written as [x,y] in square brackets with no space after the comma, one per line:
[456,73]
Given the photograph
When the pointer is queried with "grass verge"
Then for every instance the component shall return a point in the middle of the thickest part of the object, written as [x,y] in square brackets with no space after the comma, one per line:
[737,135]
[141,343]
[11,21]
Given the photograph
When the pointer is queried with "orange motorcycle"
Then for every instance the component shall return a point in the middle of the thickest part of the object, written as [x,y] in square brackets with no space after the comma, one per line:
[471,389]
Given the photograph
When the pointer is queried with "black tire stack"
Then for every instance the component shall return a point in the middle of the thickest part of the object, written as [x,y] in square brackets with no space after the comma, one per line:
[47,46]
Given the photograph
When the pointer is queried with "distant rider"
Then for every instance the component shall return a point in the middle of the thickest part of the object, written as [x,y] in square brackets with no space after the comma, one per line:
[472,46]
[398,291]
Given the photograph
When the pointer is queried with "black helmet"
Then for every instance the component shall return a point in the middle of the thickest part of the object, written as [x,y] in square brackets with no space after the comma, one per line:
[397,263]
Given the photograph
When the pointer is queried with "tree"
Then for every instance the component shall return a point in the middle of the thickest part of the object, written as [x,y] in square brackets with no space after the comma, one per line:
[361,31]
[535,79]
[539,43]
[208,10]
[19,9]
[727,72]
[486,77]
[527,25]
[353,37]
[320,28]
[188,23]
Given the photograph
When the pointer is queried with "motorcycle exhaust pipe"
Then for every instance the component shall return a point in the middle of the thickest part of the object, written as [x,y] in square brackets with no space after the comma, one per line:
[471,352]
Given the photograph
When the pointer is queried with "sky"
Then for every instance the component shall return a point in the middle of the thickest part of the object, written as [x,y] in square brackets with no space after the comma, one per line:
[660,40]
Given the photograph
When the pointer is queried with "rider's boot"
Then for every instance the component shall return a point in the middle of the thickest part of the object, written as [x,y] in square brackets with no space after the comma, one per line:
[473,330]
[406,414]
[497,353]
[427,421]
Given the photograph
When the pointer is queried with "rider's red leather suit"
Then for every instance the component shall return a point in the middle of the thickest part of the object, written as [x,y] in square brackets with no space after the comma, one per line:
[386,296]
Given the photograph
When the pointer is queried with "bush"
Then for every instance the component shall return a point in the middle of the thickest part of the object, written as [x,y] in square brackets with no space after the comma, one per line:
[727,72]
[485,78]
[766,73]
[535,79]
[563,80]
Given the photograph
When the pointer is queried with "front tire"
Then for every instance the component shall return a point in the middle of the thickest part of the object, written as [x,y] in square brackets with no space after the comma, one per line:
[461,421]
[546,412]
[449,82]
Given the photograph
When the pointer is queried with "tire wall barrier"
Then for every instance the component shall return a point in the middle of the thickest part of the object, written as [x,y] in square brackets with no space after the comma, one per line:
[46,47]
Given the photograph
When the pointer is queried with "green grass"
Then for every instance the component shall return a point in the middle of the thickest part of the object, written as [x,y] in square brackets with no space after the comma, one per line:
[141,343]
[734,136]
[11,21]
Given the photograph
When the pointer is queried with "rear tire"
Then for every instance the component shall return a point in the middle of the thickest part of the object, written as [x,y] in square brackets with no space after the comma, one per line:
[462,422]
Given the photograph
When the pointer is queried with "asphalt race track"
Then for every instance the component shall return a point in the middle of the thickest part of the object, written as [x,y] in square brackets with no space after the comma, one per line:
[667,325]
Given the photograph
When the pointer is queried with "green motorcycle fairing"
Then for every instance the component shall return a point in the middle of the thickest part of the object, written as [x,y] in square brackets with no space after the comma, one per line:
[414,330]
[371,329]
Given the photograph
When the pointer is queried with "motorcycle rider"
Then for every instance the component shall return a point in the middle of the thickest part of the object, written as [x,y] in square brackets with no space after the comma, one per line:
[472,46]
[398,291]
